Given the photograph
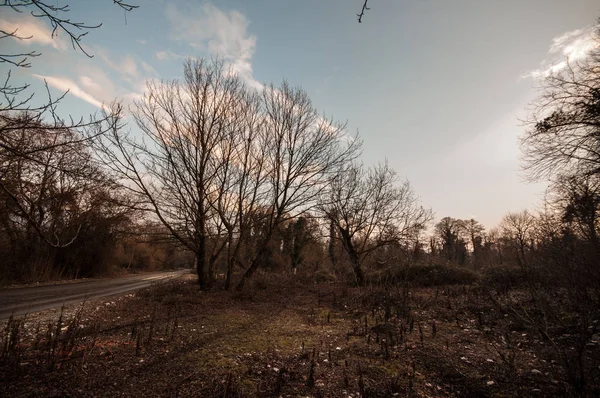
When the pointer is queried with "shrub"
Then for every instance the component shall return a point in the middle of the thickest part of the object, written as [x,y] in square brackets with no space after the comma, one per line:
[503,279]
[426,275]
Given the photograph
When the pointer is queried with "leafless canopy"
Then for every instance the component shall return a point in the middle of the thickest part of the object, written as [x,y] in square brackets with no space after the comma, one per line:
[370,210]
[19,114]
[302,153]
[15,98]
[563,131]
[217,157]
[186,127]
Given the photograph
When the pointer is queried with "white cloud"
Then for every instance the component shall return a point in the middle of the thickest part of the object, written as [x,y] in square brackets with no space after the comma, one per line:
[88,82]
[148,69]
[220,33]
[64,84]
[569,47]
[168,55]
[126,67]
[142,42]
[33,30]
[132,74]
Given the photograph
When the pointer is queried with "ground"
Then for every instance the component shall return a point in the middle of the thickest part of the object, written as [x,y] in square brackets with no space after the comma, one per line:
[283,336]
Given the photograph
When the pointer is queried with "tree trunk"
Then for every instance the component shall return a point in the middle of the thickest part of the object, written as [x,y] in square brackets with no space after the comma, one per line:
[231,256]
[332,242]
[260,255]
[360,279]
[201,261]
[252,268]
[354,257]
[230,263]
[255,262]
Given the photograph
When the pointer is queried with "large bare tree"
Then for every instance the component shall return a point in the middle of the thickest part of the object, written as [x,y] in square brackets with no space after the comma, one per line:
[369,209]
[217,160]
[239,192]
[302,152]
[173,167]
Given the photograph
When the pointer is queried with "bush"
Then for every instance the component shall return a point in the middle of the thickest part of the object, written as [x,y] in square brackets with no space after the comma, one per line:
[426,275]
[503,279]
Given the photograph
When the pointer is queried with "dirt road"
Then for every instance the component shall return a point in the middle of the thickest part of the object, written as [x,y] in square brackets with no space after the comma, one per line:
[33,299]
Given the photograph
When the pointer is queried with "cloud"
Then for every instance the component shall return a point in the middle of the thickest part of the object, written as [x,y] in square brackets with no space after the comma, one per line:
[97,83]
[64,84]
[132,75]
[33,30]
[220,33]
[148,69]
[92,84]
[126,67]
[168,55]
[572,46]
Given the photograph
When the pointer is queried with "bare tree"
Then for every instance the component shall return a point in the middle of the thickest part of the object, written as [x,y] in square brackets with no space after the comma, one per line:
[173,169]
[451,233]
[518,229]
[370,210]
[29,144]
[302,152]
[50,198]
[578,201]
[562,134]
[239,183]
[17,110]
[476,234]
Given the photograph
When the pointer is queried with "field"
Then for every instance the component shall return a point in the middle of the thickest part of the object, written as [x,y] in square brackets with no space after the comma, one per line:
[285,336]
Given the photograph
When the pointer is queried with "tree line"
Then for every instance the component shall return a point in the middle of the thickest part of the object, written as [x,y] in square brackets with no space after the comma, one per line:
[231,176]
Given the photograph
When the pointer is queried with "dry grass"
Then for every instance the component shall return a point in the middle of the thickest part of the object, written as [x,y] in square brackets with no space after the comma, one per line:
[282,337]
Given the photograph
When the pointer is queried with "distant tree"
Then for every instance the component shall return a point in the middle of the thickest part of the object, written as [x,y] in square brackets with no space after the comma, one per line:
[519,229]
[476,234]
[300,234]
[493,247]
[370,210]
[451,233]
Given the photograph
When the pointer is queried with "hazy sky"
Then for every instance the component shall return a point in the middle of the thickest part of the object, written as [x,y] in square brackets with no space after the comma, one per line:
[435,86]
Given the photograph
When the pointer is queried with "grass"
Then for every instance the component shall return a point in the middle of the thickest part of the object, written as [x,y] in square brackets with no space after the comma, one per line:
[283,337]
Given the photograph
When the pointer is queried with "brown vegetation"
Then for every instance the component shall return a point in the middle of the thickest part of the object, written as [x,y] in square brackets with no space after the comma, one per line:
[286,336]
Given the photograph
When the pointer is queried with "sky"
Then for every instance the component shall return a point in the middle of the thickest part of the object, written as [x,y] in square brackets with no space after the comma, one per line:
[436,87]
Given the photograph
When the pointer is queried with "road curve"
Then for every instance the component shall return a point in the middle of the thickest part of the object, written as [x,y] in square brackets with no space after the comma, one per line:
[19,301]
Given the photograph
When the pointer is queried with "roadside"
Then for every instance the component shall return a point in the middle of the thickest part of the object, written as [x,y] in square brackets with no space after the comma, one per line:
[19,301]
[122,273]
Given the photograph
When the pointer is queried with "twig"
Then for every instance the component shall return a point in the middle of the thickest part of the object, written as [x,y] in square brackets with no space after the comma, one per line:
[362,12]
